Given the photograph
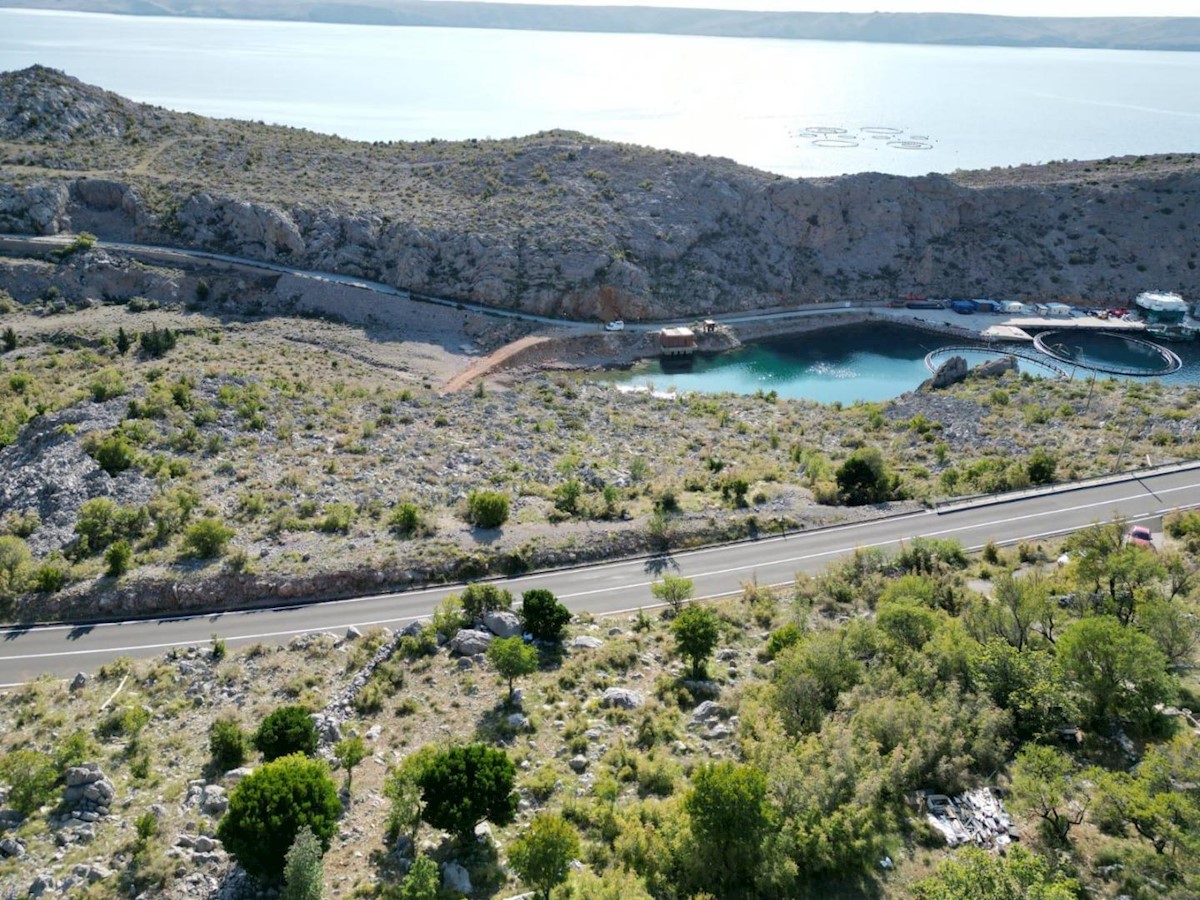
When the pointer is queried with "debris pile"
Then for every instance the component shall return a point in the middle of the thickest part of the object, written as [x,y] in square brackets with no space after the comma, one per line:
[975,817]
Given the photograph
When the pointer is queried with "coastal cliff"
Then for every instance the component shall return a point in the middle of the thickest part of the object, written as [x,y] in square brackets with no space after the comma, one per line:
[564,224]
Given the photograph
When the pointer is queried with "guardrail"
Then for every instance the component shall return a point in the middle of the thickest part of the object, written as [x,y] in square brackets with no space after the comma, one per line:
[950,504]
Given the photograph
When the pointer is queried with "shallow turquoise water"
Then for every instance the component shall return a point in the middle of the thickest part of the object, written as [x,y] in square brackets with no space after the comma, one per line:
[845,364]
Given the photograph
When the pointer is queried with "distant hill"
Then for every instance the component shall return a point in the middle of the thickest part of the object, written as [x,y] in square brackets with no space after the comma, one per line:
[1177,33]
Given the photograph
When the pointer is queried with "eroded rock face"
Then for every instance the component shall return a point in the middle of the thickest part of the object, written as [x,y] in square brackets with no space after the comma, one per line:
[606,231]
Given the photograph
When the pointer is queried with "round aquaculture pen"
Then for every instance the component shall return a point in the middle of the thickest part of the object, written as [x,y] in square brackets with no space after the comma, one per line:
[982,353]
[1109,353]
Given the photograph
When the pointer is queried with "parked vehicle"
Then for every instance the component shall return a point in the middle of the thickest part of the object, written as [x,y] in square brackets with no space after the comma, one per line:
[1140,535]
[614,325]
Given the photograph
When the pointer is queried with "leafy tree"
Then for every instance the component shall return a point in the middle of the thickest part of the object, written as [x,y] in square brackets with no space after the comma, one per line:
[462,786]
[979,875]
[512,658]
[487,509]
[1174,625]
[730,817]
[123,341]
[542,855]
[809,678]
[31,777]
[1119,673]
[483,597]
[1159,799]
[303,873]
[1045,783]
[270,806]
[227,743]
[286,731]
[863,478]
[10,340]
[422,881]
[674,590]
[1029,685]
[206,538]
[350,752]
[543,615]
[696,634]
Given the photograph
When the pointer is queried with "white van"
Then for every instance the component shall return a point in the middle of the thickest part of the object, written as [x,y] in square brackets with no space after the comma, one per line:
[614,325]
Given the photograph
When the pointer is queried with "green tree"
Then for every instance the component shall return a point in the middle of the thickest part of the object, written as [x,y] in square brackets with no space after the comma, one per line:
[1029,685]
[809,678]
[15,560]
[270,806]
[512,658]
[157,343]
[1045,783]
[31,777]
[123,341]
[227,743]
[303,872]
[422,881]
[483,597]
[1119,673]
[350,752]
[543,615]
[285,731]
[542,855]
[487,509]
[730,818]
[463,786]
[863,478]
[979,875]
[674,590]
[1158,799]
[206,538]
[10,340]
[696,633]
[566,496]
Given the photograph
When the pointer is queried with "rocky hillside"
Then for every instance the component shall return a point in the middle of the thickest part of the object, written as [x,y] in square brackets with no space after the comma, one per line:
[561,223]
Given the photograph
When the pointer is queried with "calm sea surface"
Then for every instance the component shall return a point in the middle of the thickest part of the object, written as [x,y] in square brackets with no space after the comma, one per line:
[903,109]
[850,363]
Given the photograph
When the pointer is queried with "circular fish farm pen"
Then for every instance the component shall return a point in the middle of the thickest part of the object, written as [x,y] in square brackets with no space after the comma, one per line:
[1108,353]
[984,352]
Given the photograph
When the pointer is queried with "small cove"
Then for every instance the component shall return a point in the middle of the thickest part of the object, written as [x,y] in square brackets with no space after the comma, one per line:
[843,364]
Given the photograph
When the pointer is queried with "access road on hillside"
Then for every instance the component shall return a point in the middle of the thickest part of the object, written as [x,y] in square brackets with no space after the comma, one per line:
[615,587]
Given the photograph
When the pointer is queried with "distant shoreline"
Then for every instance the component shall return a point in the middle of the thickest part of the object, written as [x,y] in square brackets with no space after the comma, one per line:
[952,29]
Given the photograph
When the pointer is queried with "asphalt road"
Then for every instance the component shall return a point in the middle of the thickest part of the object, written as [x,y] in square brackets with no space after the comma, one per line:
[614,587]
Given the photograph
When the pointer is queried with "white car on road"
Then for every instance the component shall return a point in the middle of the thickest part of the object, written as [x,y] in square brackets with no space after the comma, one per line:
[614,325]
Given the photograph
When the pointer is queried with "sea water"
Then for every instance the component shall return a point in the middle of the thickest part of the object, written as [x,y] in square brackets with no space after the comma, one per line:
[799,108]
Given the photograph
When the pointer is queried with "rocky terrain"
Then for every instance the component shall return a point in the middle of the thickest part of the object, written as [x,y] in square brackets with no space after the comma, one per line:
[561,223]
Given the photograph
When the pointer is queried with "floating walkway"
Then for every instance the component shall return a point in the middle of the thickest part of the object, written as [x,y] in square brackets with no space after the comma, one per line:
[932,365]
[1170,360]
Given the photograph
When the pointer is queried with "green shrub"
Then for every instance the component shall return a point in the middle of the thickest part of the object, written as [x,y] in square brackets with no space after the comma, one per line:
[782,638]
[286,731]
[487,509]
[206,538]
[31,777]
[543,615]
[117,559]
[271,806]
[227,743]
[113,454]
[483,597]
[51,576]
[406,520]
[462,786]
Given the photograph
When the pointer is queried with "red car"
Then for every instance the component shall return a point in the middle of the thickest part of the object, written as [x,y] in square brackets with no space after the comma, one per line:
[1140,535]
